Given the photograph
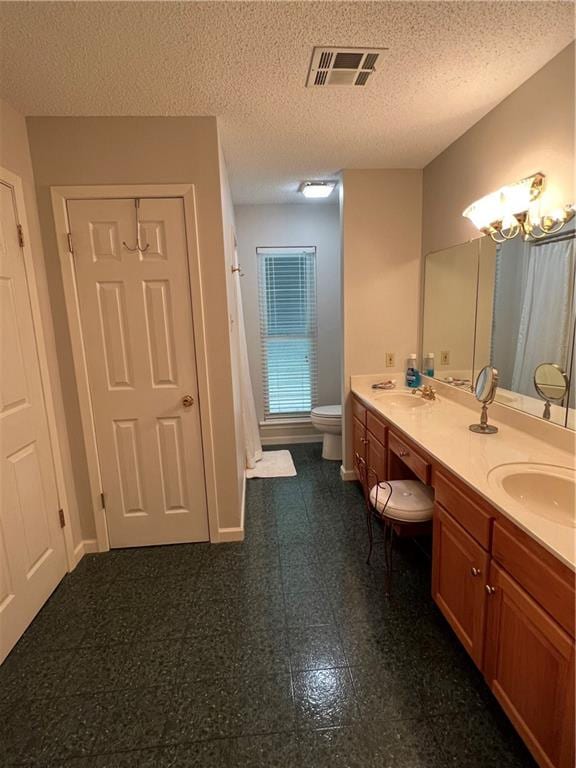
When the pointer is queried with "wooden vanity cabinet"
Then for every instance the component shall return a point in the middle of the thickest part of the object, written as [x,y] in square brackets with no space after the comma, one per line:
[510,602]
[460,568]
[529,666]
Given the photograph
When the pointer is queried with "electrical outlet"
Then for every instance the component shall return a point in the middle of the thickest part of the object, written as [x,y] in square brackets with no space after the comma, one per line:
[390,359]
[444,358]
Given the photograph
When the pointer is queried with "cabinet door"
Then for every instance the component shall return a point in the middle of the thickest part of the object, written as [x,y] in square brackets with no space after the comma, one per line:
[529,665]
[358,438]
[459,569]
[376,459]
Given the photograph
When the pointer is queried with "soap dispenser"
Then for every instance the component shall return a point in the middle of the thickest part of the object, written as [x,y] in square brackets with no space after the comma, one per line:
[412,372]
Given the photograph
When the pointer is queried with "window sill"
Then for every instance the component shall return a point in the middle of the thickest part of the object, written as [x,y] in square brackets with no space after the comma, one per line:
[280,422]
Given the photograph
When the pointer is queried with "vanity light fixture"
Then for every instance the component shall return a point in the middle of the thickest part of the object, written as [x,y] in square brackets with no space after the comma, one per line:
[513,210]
[317,189]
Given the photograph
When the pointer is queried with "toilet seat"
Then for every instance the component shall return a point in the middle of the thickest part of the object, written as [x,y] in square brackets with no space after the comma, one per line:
[327,412]
[328,419]
[411,501]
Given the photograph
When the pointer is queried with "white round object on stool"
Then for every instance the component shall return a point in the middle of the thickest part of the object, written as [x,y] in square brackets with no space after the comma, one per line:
[411,500]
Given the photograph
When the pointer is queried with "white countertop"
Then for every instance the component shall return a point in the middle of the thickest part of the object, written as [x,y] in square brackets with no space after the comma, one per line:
[441,429]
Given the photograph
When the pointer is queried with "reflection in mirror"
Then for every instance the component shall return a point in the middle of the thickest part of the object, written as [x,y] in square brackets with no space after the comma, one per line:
[550,383]
[450,282]
[530,287]
[485,391]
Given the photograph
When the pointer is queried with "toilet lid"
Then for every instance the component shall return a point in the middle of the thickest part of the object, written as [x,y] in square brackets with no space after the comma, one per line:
[328,411]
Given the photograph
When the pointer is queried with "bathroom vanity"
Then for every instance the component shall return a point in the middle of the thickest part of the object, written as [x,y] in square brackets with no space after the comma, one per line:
[502,572]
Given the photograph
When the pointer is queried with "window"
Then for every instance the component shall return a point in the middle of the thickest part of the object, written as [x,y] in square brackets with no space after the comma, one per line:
[287,289]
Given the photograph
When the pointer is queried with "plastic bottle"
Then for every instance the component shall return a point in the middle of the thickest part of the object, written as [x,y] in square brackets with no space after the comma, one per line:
[429,363]
[412,372]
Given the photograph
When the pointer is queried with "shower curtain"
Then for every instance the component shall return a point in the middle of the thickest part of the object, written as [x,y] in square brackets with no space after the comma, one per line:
[252,444]
[544,322]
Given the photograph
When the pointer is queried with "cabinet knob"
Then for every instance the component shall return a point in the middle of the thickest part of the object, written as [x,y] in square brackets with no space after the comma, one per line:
[475,571]
[403,453]
[490,590]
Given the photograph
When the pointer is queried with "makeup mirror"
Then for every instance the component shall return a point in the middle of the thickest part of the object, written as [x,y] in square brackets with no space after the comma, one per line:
[485,391]
[551,383]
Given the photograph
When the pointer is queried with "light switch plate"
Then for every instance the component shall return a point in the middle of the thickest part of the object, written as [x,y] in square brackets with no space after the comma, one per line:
[444,358]
[390,359]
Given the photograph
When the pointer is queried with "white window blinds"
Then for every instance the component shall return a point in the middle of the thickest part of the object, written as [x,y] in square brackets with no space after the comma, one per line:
[287,293]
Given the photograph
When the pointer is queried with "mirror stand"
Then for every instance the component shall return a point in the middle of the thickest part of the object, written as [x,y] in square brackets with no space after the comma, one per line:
[484,427]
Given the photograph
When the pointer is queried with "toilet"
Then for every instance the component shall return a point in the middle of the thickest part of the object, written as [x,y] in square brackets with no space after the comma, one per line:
[328,419]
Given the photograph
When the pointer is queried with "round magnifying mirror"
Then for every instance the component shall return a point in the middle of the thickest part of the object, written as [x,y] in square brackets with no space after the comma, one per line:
[485,391]
[551,383]
[486,383]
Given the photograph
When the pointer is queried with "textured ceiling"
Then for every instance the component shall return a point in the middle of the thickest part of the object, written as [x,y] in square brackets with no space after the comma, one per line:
[449,63]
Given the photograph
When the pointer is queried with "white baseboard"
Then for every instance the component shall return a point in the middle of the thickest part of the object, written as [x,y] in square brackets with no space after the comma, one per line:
[347,474]
[85,547]
[235,534]
[290,439]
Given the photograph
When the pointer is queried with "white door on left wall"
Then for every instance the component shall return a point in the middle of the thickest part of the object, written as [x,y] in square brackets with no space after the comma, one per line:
[32,549]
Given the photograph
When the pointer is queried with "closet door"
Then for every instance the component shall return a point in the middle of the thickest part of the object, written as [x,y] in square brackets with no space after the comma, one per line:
[137,326]
[32,552]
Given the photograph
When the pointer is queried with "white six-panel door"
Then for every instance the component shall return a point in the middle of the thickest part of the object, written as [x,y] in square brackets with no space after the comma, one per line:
[137,327]
[32,549]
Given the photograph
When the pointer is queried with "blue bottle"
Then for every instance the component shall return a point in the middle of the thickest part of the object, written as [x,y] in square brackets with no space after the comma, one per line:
[412,372]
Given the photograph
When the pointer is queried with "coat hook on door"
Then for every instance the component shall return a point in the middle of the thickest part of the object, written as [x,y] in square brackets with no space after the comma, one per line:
[138,246]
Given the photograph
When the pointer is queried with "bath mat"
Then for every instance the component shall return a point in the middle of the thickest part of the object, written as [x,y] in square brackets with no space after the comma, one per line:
[273,464]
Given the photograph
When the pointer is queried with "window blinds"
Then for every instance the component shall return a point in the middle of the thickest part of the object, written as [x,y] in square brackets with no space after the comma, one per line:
[288,329]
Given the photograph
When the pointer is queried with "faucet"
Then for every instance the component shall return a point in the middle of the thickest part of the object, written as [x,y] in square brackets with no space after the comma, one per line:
[427,392]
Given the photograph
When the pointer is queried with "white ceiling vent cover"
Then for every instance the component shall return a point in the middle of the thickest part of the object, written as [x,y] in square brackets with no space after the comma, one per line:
[342,66]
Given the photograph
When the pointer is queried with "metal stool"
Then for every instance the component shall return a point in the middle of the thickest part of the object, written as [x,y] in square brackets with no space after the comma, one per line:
[396,503]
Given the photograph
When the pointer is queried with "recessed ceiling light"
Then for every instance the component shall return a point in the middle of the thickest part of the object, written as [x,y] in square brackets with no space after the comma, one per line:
[317,188]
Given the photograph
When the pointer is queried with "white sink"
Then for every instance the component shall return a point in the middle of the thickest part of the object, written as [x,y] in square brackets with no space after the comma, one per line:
[402,399]
[546,490]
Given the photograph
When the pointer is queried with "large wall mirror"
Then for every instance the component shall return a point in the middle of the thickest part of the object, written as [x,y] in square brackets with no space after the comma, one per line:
[523,307]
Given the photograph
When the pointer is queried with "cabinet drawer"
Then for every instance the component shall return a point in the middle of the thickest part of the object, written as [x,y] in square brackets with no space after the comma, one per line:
[408,455]
[376,426]
[358,410]
[468,513]
[539,578]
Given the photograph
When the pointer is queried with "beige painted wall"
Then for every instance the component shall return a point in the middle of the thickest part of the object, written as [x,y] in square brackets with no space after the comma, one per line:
[147,150]
[381,247]
[15,156]
[531,130]
[308,224]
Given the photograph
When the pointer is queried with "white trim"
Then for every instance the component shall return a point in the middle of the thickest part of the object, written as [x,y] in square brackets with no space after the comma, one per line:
[235,534]
[60,196]
[285,422]
[86,546]
[15,182]
[291,439]
[347,474]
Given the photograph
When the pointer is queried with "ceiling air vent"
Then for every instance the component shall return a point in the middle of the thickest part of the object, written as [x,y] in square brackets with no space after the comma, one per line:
[342,66]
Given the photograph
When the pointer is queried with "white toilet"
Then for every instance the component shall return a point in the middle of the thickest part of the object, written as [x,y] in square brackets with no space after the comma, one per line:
[328,419]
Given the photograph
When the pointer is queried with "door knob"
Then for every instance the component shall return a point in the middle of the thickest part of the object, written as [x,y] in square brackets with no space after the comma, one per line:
[187,401]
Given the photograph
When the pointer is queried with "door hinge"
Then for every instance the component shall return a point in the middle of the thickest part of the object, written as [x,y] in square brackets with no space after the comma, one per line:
[20,235]
[69,237]
[103,500]
[61,518]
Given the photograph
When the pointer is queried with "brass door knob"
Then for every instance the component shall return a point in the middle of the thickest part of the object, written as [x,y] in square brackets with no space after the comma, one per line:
[187,401]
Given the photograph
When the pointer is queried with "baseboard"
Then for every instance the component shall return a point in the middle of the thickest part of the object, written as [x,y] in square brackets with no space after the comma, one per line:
[85,547]
[235,534]
[290,439]
[347,474]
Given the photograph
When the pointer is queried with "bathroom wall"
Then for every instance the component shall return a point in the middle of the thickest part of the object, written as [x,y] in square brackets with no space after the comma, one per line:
[381,246]
[531,130]
[145,150]
[305,224]
[15,157]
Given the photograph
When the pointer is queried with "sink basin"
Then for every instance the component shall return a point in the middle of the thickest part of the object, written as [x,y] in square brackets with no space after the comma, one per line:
[546,490]
[402,400]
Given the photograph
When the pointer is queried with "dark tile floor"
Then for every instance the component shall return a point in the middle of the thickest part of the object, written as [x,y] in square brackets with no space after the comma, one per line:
[281,651]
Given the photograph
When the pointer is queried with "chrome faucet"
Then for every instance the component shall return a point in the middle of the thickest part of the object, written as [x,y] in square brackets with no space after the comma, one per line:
[427,392]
